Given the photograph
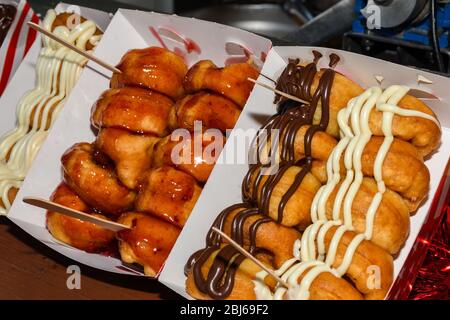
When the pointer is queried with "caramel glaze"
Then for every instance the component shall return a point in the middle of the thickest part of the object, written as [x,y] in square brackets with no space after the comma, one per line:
[295,80]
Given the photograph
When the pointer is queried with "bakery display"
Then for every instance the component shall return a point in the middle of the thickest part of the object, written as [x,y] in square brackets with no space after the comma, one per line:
[57,71]
[345,171]
[140,170]
[129,149]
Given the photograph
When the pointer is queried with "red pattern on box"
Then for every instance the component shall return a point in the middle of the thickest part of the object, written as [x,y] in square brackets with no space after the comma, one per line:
[17,43]
[403,286]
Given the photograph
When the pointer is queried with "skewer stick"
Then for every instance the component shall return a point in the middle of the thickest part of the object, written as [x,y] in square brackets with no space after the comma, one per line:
[55,207]
[72,47]
[248,255]
[286,95]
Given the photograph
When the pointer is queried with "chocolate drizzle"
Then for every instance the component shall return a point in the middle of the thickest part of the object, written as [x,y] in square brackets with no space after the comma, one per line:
[220,279]
[296,80]
[262,178]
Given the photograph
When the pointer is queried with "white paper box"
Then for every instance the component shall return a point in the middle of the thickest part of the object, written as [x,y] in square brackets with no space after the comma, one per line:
[23,81]
[25,76]
[224,185]
[128,30]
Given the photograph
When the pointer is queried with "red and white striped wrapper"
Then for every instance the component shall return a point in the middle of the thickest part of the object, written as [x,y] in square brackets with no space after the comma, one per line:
[18,41]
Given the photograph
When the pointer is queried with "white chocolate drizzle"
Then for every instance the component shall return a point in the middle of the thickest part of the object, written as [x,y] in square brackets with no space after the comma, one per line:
[57,71]
[311,256]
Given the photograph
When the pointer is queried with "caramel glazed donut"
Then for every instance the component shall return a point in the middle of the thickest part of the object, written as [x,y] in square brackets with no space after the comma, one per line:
[128,174]
[352,214]
[57,71]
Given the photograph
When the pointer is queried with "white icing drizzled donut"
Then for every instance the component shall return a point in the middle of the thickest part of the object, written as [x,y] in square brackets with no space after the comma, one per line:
[311,258]
[57,71]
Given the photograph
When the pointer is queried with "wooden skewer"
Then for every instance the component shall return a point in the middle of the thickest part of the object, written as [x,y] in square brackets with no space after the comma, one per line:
[52,206]
[74,48]
[248,255]
[286,95]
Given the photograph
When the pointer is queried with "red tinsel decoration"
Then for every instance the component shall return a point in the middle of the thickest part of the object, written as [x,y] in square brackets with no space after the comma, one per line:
[433,280]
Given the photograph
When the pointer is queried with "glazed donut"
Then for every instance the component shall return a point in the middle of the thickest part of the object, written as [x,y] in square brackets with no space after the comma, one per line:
[213,110]
[74,232]
[195,154]
[132,153]
[230,81]
[134,109]
[95,182]
[148,243]
[168,194]
[152,68]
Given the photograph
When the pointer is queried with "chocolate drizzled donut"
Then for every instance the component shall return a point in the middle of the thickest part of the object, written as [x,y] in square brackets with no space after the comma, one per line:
[297,81]
[220,279]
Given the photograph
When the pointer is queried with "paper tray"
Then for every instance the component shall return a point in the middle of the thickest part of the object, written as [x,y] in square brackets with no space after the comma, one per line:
[360,69]
[223,187]
[128,30]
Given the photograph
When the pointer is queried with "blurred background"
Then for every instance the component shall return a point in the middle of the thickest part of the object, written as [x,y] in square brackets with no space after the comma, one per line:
[410,32]
[273,19]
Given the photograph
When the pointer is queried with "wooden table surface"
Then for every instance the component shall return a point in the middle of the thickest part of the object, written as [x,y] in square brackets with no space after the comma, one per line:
[31,270]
